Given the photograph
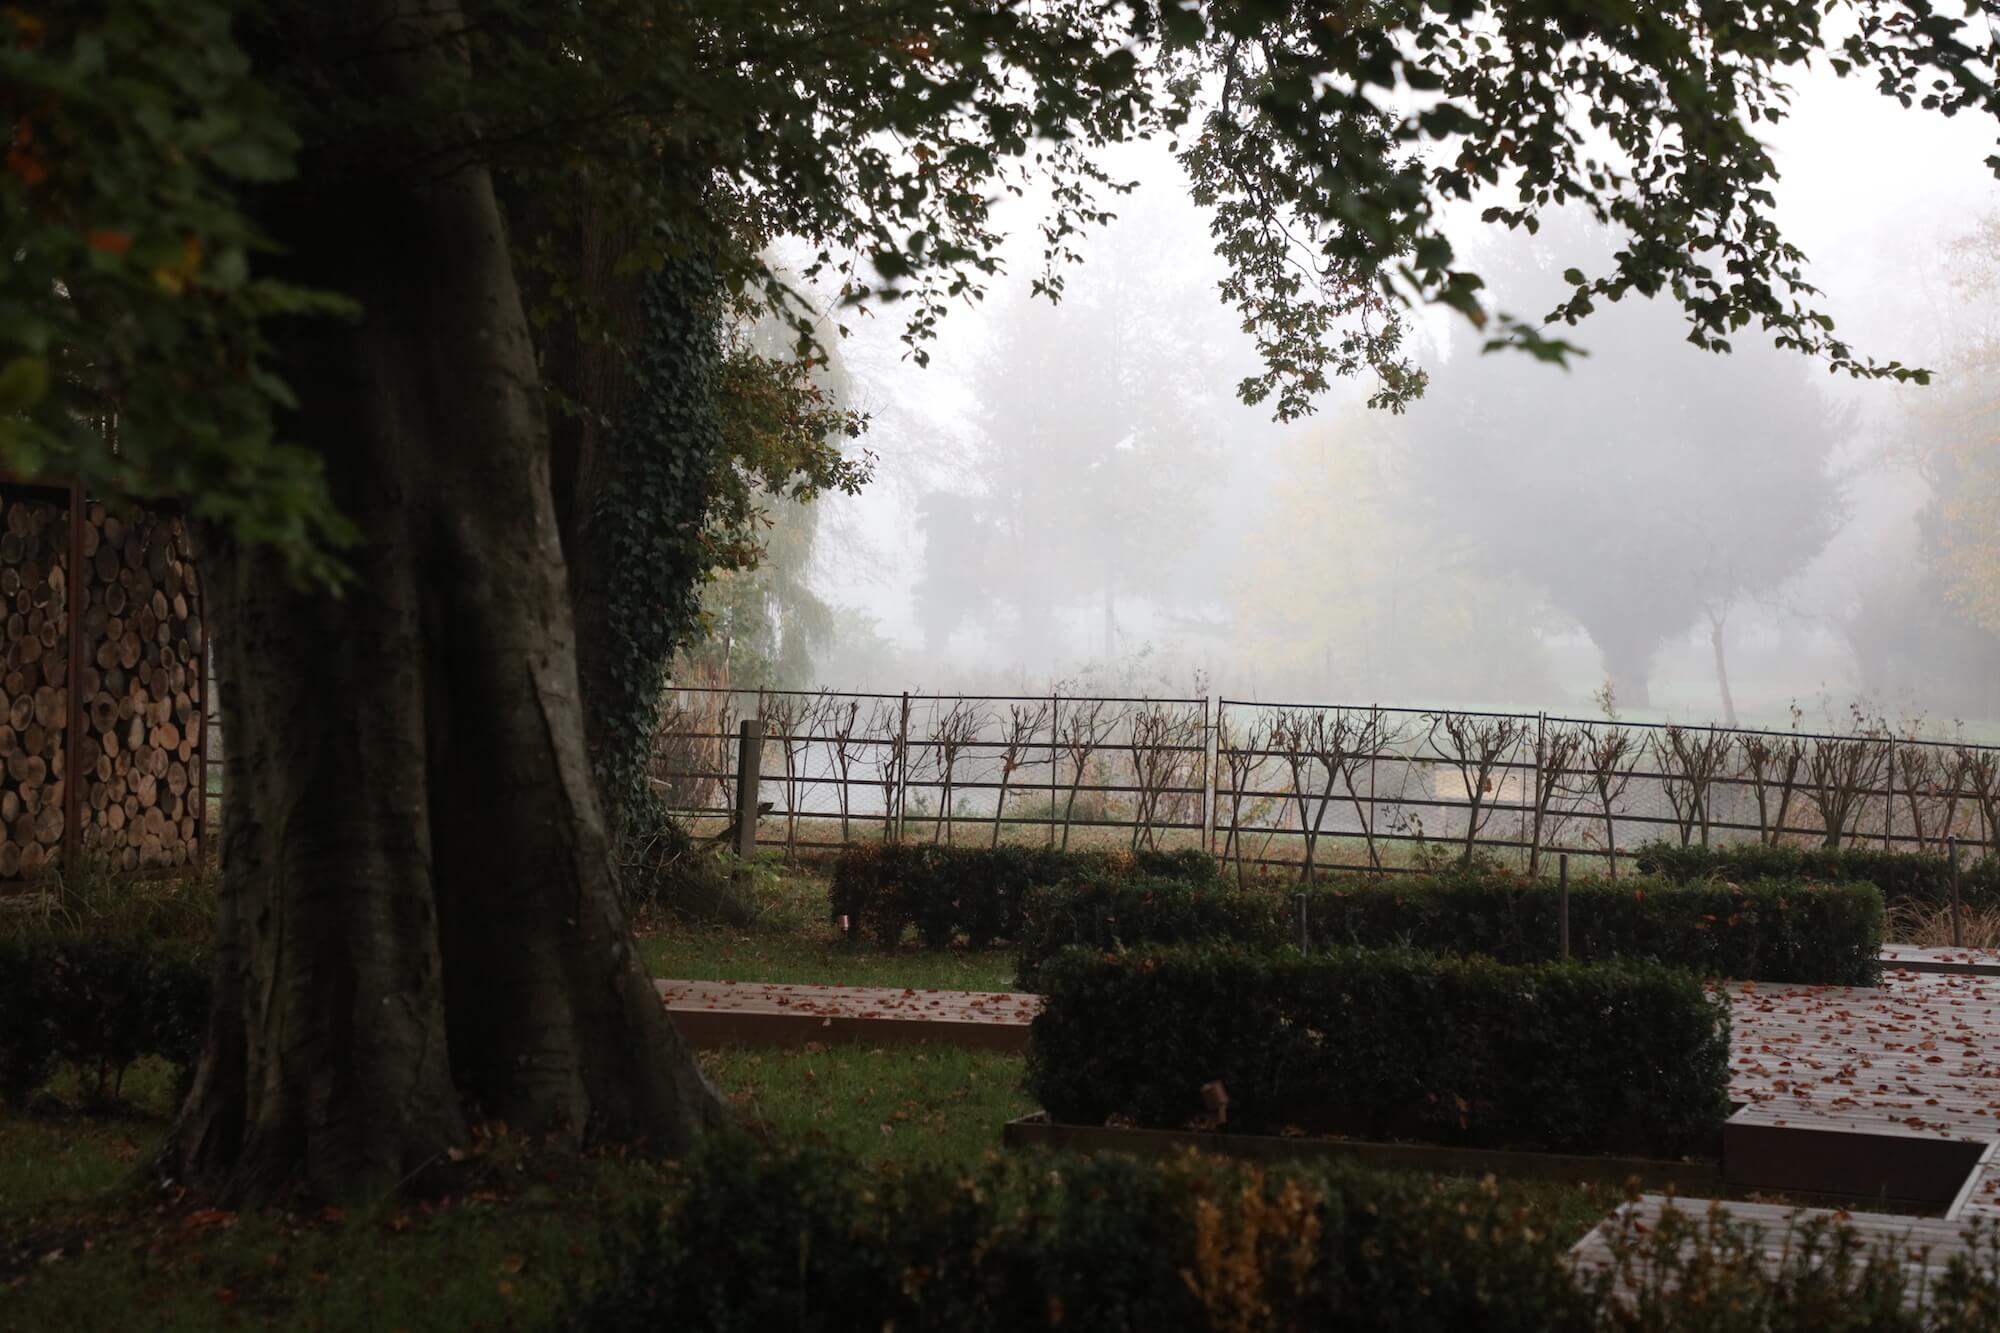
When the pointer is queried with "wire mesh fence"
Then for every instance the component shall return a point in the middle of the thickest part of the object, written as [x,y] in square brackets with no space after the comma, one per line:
[841,768]
[1315,786]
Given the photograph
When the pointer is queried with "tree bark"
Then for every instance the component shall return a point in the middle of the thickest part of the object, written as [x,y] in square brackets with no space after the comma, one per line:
[1715,627]
[1628,661]
[592,370]
[418,923]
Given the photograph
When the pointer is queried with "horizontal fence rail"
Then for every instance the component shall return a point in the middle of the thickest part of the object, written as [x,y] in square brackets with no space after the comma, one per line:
[1313,786]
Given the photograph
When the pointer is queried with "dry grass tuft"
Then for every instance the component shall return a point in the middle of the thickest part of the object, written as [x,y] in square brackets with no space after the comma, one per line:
[1929,925]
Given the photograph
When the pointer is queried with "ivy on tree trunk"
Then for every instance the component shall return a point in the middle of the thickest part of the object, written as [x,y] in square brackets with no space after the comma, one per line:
[638,552]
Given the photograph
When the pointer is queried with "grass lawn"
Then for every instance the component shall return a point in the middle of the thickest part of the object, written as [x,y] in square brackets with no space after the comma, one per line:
[792,940]
[898,1104]
[80,1250]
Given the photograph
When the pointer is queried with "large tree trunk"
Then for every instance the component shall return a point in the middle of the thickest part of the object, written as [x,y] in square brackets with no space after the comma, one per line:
[1716,623]
[419,921]
[1628,661]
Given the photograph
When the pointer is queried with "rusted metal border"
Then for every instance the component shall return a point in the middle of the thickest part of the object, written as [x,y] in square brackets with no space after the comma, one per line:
[1912,1171]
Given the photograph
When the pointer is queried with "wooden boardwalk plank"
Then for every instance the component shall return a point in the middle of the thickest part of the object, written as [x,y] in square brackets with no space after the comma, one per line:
[1919,1054]
[1924,1246]
[1919,958]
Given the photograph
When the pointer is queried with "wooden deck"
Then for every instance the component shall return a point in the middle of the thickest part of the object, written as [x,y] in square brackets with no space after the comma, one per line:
[1890,1092]
[1919,1054]
[1923,1245]
[1916,958]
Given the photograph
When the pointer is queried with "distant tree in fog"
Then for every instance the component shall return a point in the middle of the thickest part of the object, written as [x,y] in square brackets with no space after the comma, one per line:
[1096,423]
[1347,591]
[1959,422]
[1931,628]
[951,582]
[1650,488]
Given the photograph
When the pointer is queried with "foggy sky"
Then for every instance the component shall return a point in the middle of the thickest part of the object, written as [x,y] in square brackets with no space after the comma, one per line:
[1872,193]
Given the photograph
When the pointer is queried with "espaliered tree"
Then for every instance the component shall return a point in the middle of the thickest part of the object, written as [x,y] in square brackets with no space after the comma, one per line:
[271,239]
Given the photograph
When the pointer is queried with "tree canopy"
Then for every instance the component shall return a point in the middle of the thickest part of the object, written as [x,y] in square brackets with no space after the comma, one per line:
[1331,144]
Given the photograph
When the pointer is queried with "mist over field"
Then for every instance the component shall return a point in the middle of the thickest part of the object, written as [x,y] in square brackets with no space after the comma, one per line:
[1073,493]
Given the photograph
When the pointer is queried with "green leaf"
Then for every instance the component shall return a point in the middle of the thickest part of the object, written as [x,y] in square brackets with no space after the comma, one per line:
[23,383]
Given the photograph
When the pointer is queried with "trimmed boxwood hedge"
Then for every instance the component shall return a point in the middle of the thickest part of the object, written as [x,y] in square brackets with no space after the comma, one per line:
[98,1003]
[747,1239]
[1143,912]
[945,892]
[1918,876]
[1628,1057]
[1770,930]
[753,1240]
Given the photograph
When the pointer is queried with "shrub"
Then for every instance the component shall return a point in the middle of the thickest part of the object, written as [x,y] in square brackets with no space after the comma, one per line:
[753,1239]
[1919,876]
[944,892]
[30,1043]
[1592,1057]
[1781,931]
[97,1002]
[1142,911]
[1764,930]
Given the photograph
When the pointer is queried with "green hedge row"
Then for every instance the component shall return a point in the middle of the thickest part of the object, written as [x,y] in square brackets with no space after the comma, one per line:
[1900,875]
[750,1240]
[753,1240]
[1612,1057]
[98,1003]
[1769,930]
[944,893]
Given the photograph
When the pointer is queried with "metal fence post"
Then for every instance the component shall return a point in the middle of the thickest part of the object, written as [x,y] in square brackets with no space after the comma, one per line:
[1055,743]
[749,769]
[1211,740]
[1534,828]
[902,764]
[1957,918]
[1889,799]
[1562,904]
[1299,912]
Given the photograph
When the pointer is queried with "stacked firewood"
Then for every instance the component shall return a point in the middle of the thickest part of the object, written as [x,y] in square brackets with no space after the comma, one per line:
[34,540]
[142,682]
[139,681]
